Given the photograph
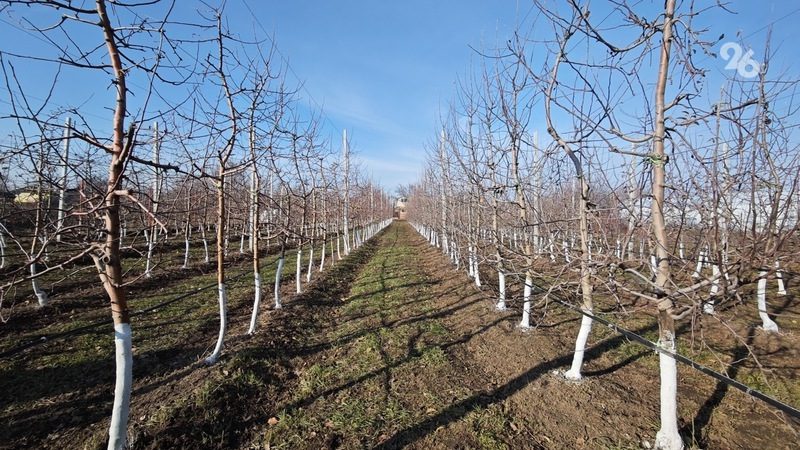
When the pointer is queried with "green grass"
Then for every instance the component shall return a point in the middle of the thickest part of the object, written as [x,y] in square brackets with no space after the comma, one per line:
[488,425]
[384,370]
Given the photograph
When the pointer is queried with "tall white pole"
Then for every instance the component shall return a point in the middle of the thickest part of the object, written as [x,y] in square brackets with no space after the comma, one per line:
[442,162]
[537,195]
[63,188]
[346,156]
[156,188]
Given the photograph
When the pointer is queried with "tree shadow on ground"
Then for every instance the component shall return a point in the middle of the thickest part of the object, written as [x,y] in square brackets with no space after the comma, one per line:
[484,399]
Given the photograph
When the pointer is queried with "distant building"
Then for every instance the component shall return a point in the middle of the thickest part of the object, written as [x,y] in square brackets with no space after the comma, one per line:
[400,208]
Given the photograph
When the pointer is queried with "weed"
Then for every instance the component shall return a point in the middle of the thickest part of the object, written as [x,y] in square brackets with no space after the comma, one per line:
[488,424]
[433,356]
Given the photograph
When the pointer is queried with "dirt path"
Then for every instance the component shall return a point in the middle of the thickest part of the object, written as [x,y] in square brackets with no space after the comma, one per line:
[416,357]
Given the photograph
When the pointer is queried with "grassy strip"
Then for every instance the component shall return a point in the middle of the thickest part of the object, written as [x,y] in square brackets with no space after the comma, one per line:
[385,366]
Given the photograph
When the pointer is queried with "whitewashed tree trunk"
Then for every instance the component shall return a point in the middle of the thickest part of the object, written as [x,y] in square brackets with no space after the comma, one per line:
[186,246]
[470,266]
[310,264]
[767,324]
[322,255]
[223,324]
[668,437]
[525,323]
[297,277]
[205,244]
[700,262]
[779,276]
[41,295]
[501,298]
[708,306]
[148,270]
[278,274]
[476,270]
[120,410]
[574,373]
[256,303]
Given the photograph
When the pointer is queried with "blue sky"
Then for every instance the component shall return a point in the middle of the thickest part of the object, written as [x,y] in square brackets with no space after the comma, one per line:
[385,70]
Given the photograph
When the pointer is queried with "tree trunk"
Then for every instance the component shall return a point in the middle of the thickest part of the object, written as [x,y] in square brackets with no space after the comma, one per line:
[221,289]
[667,437]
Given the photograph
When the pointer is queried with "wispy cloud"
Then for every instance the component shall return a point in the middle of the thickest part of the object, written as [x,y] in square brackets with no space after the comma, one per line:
[395,167]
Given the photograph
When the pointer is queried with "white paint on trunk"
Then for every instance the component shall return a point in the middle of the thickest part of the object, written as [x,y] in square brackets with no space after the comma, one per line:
[241,244]
[779,276]
[681,250]
[223,324]
[525,323]
[310,265]
[322,258]
[297,273]
[668,437]
[41,295]
[501,299]
[699,267]
[470,259]
[708,307]
[278,274]
[574,372]
[256,302]
[123,355]
[186,254]
[766,323]
[477,273]
[148,271]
